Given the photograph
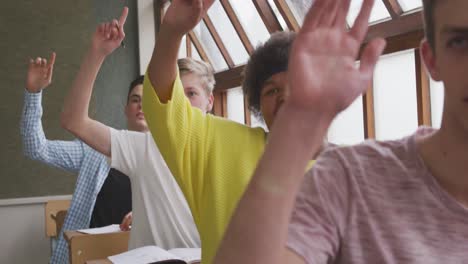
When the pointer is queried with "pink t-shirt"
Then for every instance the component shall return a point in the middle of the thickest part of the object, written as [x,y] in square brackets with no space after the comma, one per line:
[377,203]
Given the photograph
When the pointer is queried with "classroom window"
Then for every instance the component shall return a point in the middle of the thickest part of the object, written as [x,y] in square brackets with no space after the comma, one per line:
[379,12]
[437,102]
[235,105]
[251,21]
[278,15]
[228,34]
[395,100]
[195,54]
[257,122]
[299,9]
[409,5]
[183,48]
[210,47]
[348,127]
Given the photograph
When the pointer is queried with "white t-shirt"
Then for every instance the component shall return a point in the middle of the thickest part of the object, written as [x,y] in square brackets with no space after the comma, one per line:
[161,215]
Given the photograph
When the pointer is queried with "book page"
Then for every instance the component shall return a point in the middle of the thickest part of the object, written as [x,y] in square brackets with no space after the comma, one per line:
[189,255]
[101,230]
[143,255]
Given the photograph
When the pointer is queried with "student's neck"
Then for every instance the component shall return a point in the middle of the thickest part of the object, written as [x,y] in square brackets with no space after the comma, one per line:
[445,154]
[137,129]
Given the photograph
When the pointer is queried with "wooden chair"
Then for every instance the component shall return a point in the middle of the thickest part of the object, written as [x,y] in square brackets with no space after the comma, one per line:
[55,212]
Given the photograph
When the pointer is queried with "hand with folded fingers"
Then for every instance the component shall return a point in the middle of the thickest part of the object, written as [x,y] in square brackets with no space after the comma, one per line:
[126,222]
[40,73]
[109,36]
[183,15]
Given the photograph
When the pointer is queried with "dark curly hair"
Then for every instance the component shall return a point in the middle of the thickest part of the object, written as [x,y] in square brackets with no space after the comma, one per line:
[267,59]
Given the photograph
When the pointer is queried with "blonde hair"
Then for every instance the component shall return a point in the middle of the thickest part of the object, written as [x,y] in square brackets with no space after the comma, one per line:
[201,69]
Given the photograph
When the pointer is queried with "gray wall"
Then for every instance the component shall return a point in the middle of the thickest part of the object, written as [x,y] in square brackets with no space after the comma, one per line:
[23,237]
[35,28]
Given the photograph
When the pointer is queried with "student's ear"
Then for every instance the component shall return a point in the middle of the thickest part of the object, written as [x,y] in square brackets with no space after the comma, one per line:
[429,57]
[126,110]
[210,103]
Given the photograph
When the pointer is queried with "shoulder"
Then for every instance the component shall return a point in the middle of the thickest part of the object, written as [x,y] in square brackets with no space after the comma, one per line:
[127,135]
[89,153]
[371,164]
[370,153]
[232,128]
[370,150]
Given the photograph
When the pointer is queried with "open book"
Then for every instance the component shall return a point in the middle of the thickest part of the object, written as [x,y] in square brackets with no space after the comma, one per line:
[154,254]
[101,230]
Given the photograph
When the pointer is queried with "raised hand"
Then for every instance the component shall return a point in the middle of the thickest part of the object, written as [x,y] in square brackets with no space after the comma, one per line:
[39,73]
[183,15]
[109,36]
[323,74]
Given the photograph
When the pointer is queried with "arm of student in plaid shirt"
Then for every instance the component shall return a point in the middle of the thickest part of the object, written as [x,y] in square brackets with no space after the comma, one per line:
[66,155]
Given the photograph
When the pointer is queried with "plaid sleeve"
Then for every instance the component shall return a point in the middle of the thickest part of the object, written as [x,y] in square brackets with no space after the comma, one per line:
[66,155]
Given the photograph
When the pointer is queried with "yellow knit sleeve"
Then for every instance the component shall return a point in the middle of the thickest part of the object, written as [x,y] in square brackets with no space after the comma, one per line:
[179,131]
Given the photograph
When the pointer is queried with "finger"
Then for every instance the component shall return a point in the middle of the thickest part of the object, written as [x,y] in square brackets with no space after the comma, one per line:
[50,71]
[38,61]
[114,33]
[30,64]
[359,29]
[340,20]
[122,225]
[52,59]
[107,30]
[329,13]
[123,17]
[101,28]
[312,17]
[110,31]
[50,68]
[43,62]
[207,4]
[125,224]
[370,56]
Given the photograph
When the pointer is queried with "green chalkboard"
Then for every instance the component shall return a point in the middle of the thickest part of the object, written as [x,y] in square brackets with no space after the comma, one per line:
[35,28]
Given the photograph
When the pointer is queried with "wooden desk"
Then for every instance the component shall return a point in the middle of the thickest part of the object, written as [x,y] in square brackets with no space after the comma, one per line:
[99,261]
[86,247]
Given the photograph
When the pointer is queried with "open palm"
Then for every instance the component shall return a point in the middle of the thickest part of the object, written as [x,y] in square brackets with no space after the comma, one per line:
[109,36]
[322,68]
[183,15]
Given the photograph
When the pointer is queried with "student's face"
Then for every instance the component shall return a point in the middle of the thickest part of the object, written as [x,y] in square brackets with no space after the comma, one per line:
[449,62]
[135,117]
[273,94]
[195,92]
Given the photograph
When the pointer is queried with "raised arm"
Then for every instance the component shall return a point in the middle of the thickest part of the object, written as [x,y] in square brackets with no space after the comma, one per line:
[66,155]
[323,80]
[75,118]
[181,17]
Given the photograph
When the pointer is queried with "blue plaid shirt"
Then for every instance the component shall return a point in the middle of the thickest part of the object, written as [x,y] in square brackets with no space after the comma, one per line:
[73,156]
